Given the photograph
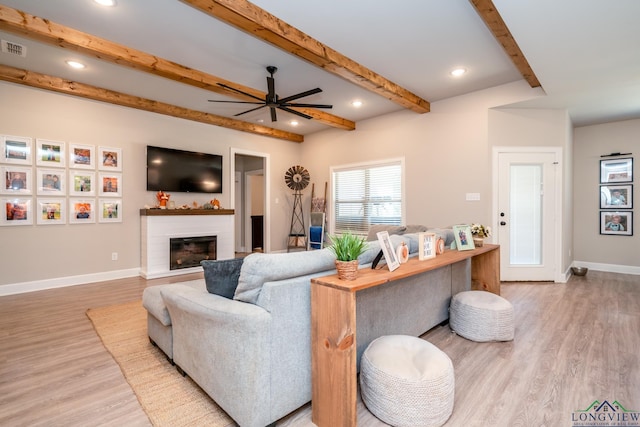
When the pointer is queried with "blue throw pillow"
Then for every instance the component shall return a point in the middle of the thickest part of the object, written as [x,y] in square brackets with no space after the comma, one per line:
[221,276]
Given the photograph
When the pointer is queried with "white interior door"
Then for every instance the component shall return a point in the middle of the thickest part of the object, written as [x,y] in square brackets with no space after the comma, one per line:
[526,215]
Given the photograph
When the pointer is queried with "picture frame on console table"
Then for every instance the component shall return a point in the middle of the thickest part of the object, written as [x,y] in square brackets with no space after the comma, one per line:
[387,250]
[464,238]
[426,246]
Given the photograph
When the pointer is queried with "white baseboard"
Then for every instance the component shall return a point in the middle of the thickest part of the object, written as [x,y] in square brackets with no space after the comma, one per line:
[61,282]
[611,268]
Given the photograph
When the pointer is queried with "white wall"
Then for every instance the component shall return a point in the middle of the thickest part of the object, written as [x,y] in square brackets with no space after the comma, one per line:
[36,253]
[604,252]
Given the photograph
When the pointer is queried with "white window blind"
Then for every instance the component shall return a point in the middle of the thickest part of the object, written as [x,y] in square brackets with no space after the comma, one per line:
[365,195]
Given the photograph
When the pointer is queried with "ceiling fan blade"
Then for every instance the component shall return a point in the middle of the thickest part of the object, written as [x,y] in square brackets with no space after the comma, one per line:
[274,118]
[295,104]
[271,86]
[301,95]
[239,91]
[237,102]
[297,113]
[248,111]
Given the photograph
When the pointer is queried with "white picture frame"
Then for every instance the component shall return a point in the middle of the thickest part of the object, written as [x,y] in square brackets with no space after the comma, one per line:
[16,180]
[82,183]
[16,150]
[110,159]
[426,246]
[49,153]
[109,184]
[82,211]
[51,211]
[387,250]
[82,156]
[15,211]
[109,210]
[51,182]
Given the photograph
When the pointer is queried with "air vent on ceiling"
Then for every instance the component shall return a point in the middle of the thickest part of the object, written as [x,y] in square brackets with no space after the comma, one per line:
[14,48]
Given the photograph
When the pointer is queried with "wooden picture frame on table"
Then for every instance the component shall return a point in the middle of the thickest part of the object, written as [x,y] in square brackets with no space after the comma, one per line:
[16,150]
[464,238]
[426,246]
[387,250]
[51,154]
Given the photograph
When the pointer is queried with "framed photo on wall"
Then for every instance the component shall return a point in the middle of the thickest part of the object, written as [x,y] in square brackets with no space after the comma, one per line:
[15,180]
[82,211]
[109,159]
[426,246]
[616,170]
[616,196]
[82,183]
[16,211]
[387,250]
[464,238]
[82,156]
[618,223]
[16,150]
[110,210]
[51,182]
[51,211]
[50,153]
[110,184]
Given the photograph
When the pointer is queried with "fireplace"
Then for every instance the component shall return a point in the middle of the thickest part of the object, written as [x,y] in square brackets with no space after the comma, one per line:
[189,251]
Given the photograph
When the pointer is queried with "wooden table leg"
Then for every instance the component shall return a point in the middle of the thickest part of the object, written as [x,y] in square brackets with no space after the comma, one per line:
[333,357]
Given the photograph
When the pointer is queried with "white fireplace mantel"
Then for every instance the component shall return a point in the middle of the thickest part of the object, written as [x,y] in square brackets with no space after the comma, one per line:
[158,226]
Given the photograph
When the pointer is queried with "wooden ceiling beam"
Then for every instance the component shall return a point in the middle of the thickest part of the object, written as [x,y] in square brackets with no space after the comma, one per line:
[261,24]
[51,33]
[491,17]
[56,84]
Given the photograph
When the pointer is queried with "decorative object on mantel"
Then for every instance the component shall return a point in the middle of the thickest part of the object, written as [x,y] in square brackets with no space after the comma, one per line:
[479,232]
[213,204]
[347,248]
[163,199]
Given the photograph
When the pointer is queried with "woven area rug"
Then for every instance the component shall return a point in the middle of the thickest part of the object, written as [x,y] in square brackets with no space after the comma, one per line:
[168,398]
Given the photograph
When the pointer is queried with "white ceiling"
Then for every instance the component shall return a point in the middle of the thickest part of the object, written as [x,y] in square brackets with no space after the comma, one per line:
[586,53]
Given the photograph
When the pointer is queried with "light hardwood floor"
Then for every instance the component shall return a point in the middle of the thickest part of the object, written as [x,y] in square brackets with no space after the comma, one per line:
[574,343]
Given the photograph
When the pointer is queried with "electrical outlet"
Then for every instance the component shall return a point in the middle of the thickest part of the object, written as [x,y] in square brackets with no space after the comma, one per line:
[114,256]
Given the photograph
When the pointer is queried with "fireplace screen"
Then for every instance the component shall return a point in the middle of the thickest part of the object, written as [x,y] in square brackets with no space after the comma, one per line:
[188,252]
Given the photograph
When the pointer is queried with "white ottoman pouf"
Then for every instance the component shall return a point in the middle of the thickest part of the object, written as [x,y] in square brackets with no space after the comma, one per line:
[407,381]
[481,316]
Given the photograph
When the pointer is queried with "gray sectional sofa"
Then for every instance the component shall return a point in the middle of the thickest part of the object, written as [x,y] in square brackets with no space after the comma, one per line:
[252,353]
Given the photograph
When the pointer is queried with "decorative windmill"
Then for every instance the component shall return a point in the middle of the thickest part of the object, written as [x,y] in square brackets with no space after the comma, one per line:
[297,178]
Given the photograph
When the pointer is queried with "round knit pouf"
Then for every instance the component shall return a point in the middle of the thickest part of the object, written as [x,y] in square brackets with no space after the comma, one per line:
[407,381]
[481,316]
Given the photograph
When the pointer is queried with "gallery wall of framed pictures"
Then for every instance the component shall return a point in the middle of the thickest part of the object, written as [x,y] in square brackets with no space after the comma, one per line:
[49,182]
[616,195]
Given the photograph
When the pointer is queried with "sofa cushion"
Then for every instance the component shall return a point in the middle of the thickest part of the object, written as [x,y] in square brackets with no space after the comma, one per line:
[376,228]
[259,268]
[221,276]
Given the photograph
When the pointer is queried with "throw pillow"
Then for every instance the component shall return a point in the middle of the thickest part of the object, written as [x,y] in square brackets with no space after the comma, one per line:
[221,276]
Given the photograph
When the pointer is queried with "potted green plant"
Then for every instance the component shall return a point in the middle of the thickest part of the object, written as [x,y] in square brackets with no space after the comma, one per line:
[347,247]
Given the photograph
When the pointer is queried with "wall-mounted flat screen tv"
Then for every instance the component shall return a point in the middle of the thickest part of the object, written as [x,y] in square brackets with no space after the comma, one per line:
[183,171]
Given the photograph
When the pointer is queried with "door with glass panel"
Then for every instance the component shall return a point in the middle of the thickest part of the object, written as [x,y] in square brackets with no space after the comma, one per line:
[526,210]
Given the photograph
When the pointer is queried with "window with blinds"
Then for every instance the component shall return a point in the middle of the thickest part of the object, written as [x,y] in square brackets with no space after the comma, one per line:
[367,194]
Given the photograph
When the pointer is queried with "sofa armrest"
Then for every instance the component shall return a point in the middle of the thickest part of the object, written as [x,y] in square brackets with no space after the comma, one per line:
[223,345]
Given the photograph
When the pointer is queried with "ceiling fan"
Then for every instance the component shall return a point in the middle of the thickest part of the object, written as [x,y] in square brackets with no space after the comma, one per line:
[273,101]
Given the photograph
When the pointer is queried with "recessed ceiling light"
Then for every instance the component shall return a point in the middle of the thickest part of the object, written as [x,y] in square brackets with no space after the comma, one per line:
[457,72]
[357,103]
[106,2]
[75,64]
[294,123]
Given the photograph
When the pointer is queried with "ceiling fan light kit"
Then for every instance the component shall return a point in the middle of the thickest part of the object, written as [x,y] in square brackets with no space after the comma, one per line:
[273,101]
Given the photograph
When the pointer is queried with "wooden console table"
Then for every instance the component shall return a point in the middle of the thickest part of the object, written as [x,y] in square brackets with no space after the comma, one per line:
[333,327]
